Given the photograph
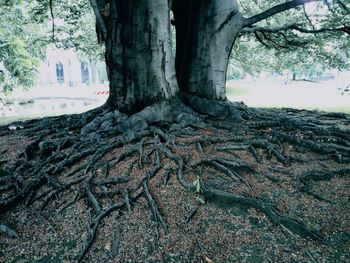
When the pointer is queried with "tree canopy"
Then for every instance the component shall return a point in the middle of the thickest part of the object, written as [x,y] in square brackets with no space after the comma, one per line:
[27,31]
[22,44]
[316,34]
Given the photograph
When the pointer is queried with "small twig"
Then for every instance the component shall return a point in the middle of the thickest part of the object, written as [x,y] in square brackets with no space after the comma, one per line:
[166,176]
[116,242]
[140,161]
[76,199]
[200,149]
[191,214]
[310,256]
[127,200]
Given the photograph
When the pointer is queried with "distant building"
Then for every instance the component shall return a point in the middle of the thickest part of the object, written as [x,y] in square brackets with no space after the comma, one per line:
[66,68]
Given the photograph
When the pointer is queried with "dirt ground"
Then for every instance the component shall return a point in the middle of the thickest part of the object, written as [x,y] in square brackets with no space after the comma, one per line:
[199,229]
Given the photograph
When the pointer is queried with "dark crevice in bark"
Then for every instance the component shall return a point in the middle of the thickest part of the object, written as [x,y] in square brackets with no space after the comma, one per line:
[226,21]
[134,57]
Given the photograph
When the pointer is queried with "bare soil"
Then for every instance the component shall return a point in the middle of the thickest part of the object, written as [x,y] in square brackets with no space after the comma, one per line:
[198,229]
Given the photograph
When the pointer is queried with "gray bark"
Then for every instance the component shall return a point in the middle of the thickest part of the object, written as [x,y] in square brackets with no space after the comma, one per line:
[138,53]
[205,33]
[138,48]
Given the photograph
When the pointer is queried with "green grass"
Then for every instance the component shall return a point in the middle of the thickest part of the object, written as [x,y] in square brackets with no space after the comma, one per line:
[232,89]
[235,91]
[327,109]
[8,120]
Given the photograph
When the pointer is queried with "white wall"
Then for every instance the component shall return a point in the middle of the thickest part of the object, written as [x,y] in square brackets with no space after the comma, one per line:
[71,68]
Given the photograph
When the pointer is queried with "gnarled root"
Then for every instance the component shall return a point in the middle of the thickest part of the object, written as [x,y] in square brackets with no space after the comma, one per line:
[113,161]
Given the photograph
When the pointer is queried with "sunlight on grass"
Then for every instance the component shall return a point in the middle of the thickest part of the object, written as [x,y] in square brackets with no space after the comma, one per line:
[233,90]
[331,109]
[320,96]
[8,120]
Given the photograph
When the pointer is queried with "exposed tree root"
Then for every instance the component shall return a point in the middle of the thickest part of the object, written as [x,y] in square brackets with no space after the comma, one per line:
[306,179]
[80,155]
[154,207]
[7,231]
[293,225]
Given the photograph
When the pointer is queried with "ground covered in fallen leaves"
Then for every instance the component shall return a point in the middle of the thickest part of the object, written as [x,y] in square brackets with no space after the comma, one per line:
[166,222]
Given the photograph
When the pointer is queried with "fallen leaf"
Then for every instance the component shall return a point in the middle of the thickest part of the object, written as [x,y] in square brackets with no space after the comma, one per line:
[208,259]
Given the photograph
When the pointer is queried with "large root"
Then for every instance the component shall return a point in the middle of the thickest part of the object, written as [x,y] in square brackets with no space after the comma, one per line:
[80,155]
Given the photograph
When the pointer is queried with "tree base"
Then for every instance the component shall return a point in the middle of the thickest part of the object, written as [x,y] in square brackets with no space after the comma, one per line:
[173,184]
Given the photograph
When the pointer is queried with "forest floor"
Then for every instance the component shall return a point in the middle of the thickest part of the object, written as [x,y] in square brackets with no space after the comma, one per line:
[311,188]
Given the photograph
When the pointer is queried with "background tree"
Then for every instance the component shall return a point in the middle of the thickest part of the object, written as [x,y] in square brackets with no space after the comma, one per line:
[22,44]
[320,44]
[168,120]
[28,30]
[74,27]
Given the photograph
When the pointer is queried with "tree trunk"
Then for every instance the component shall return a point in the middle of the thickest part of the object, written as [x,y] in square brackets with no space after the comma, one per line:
[205,33]
[139,60]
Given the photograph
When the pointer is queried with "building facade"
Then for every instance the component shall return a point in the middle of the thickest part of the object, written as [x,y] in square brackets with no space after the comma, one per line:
[66,68]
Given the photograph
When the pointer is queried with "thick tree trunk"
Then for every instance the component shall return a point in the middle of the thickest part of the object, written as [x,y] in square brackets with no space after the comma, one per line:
[139,60]
[205,33]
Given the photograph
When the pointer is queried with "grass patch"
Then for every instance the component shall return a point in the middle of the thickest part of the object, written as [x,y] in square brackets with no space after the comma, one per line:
[232,90]
[8,120]
[345,109]
[11,119]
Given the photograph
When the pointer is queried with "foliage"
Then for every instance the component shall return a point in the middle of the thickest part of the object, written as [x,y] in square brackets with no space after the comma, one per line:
[271,45]
[26,32]
[75,28]
[71,25]
[197,185]
[22,44]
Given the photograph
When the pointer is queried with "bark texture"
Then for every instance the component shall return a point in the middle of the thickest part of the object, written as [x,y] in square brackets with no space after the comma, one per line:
[205,33]
[138,53]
